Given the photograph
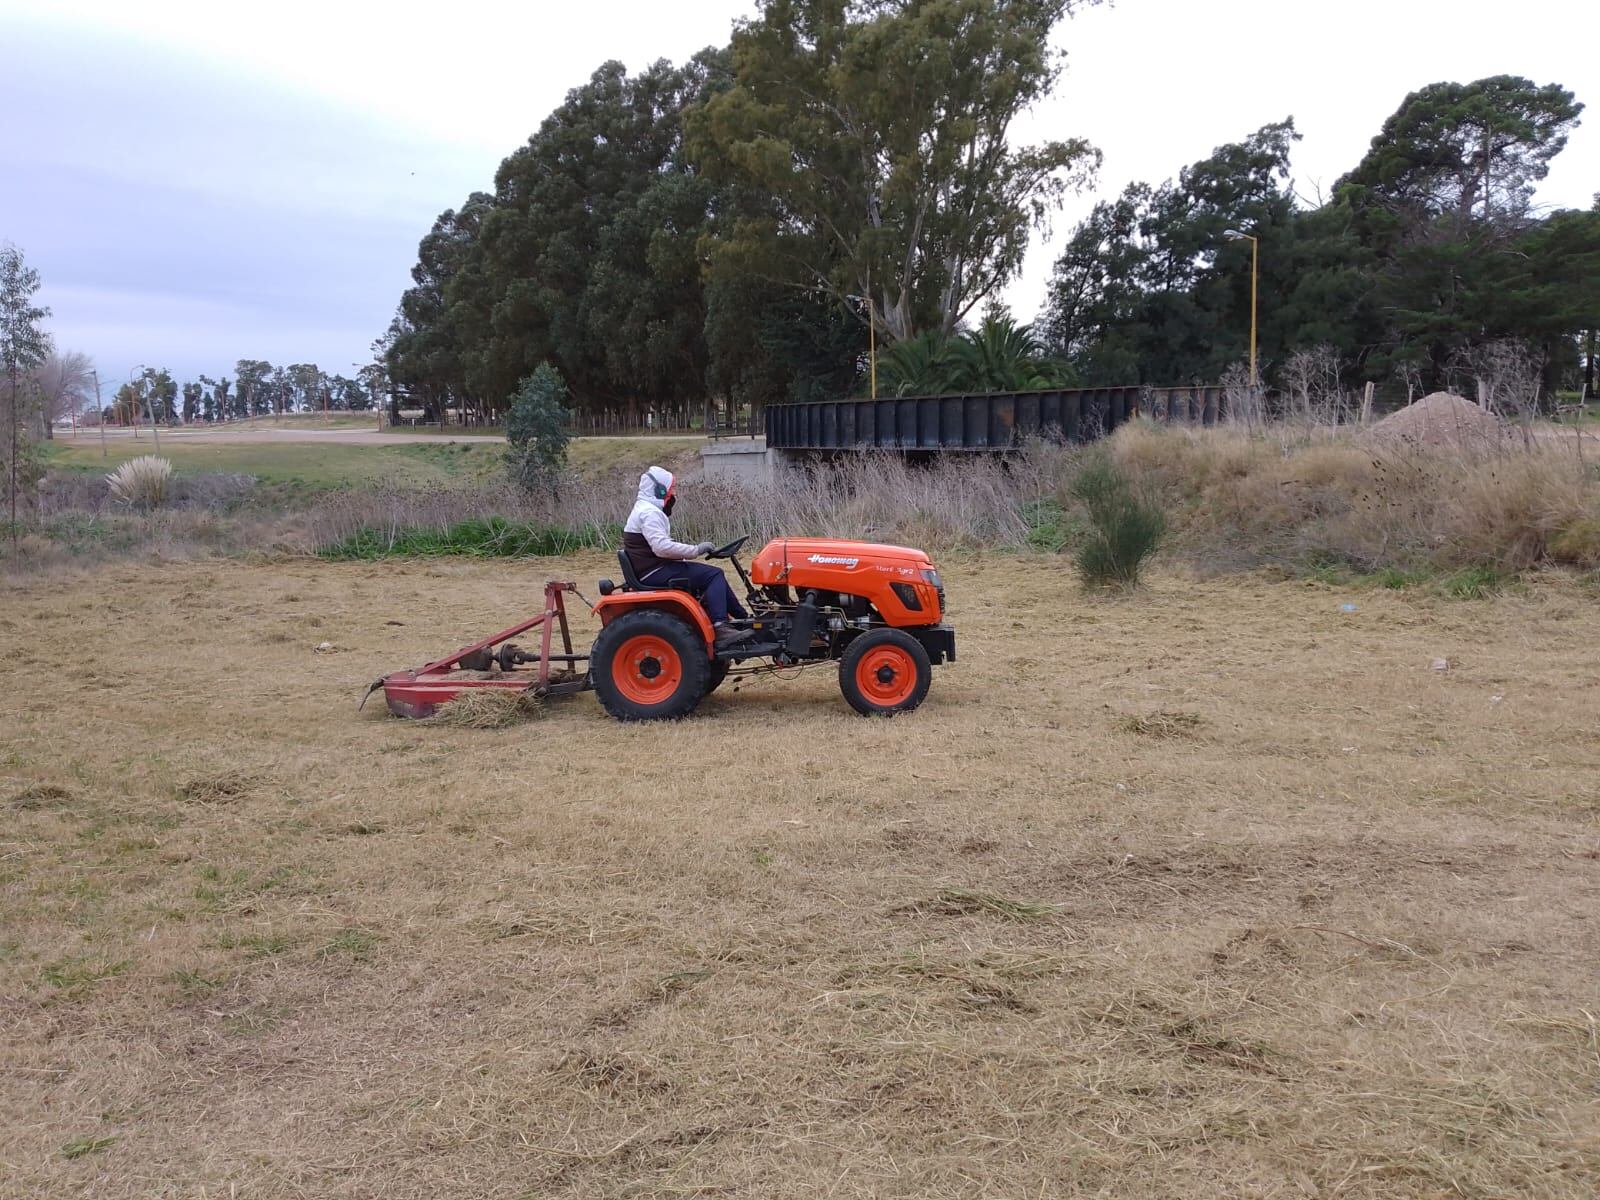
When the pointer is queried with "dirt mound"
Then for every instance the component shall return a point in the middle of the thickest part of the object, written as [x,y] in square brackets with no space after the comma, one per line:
[1442,419]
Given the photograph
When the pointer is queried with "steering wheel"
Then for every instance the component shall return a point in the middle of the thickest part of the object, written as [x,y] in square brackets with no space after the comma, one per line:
[730,549]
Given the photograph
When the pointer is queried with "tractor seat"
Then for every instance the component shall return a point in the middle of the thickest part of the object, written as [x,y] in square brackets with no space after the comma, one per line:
[630,581]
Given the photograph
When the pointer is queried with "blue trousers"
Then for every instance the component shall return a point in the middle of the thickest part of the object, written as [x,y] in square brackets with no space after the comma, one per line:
[705,581]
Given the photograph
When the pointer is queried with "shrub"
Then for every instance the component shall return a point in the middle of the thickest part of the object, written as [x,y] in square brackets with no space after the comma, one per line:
[141,482]
[536,428]
[1124,528]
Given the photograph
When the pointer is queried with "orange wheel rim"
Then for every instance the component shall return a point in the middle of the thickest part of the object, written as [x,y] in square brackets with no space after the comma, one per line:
[646,669]
[886,675]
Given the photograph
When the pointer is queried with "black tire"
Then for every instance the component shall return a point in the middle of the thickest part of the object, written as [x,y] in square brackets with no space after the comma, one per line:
[637,650]
[898,683]
[719,672]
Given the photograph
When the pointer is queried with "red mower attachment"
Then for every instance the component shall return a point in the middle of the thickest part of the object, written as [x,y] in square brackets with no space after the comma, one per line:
[495,662]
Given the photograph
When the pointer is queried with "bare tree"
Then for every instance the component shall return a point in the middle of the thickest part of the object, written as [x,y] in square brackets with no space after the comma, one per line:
[1410,372]
[1243,402]
[66,384]
[1510,380]
[1312,388]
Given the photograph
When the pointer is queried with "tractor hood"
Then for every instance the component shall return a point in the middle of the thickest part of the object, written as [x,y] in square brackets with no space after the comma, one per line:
[827,562]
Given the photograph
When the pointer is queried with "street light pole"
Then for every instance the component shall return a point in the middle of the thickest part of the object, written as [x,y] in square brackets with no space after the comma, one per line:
[872,343]
[155,430]
[100,414]
[134,400]
[1255,273]
[872,346]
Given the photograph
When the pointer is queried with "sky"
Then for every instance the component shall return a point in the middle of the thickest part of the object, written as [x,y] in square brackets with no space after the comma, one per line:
[202,182]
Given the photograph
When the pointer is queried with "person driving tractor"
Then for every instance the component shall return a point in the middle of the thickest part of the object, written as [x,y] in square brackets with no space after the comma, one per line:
[657,559]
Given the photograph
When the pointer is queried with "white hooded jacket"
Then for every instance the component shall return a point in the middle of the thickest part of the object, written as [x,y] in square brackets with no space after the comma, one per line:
[649,519]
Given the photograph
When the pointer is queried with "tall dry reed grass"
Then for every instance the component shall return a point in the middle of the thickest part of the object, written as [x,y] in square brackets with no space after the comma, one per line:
[1231,499]
[1235,500]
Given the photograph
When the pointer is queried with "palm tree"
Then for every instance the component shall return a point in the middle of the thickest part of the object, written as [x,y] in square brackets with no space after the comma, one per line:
[998,356]
[918,366]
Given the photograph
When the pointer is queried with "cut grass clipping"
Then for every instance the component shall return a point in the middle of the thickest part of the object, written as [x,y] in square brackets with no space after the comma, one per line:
[487,708]
[491,537]
[964,902]
[1162,724]
[1124,529]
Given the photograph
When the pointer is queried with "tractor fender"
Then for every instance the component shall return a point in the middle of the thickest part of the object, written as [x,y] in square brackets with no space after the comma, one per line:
[682,603]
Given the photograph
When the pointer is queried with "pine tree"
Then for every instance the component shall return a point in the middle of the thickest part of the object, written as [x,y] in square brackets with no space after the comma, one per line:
[23,346]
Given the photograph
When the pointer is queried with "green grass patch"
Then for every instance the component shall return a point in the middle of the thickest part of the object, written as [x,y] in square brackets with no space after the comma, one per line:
[257,945]
[491,537]
[74,976]
[1474,583]
[78,1147]
[1460,584]
[1396,579]
[314,466]
[356,944]
[219,889]
[193,985]
[300,466]
[1050,528]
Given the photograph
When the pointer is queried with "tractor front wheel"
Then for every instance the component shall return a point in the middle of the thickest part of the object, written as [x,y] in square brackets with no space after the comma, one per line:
[884,672]
[649,665]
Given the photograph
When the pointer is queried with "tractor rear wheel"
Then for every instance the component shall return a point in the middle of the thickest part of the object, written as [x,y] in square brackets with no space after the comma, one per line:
[649,665]
[719,672]
[884,672]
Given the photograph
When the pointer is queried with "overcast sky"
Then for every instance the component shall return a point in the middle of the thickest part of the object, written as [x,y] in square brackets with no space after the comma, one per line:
[202,182]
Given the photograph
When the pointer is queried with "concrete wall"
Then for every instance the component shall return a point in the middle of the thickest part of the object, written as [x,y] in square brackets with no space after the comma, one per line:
[740,460]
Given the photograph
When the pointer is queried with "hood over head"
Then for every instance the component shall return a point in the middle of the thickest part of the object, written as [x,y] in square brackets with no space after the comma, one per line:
[656,487]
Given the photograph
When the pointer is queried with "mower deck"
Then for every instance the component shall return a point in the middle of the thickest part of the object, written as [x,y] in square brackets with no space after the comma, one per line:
[419,692]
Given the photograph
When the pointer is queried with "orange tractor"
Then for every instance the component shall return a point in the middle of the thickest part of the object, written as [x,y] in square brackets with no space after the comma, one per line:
[878,611]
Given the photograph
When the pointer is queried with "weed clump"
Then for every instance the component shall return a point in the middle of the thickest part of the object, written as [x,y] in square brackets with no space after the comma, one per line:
[1124,528]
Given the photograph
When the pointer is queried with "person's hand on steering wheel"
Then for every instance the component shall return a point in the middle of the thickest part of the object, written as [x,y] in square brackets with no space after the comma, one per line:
[704,549]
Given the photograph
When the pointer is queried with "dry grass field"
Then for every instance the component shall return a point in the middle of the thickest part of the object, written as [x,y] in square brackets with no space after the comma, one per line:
[1213,891]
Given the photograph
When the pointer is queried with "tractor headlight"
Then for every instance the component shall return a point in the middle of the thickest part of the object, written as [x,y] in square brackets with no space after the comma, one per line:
[932,577]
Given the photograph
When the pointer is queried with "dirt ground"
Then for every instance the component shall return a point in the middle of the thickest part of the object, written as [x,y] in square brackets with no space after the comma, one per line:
[1215,891]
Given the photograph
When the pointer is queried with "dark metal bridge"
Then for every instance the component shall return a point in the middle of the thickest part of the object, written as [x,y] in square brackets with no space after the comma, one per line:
[994,421]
